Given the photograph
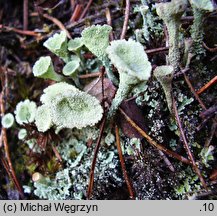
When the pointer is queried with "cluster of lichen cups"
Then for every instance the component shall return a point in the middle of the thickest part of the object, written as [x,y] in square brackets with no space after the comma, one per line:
[62,100]
[65,106]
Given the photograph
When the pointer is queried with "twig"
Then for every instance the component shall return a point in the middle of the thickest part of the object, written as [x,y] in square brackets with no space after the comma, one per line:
[109,22]
[126,19]
[156,50]
[209,112]
[186,145]
[57,154]
[166,160]
[102,71]
[212,133]
[91,181]
[124,170]
[4,136]
[86,9]
[76,14]
[152,142]
[19,31]
[209,49]
[10,174]
[58,23]
[72,3]
[94,18]
[206,86]
[90,75]
[25,14]
[194,92]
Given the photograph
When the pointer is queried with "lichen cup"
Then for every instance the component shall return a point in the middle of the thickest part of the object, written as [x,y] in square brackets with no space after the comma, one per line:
[133,66]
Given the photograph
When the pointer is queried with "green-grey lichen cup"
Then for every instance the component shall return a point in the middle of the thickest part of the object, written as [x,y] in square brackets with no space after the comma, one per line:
[133,66]
[164,75]
[43,68]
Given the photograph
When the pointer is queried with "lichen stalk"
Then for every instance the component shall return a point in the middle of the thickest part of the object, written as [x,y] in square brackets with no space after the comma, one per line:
[197,31]
[125,85]
[174,54]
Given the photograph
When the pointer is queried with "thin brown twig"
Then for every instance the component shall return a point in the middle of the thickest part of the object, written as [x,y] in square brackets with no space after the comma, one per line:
[86,9]
[124,170]
[102,126]
[90,75]
[76,14]
[19,31]
[57,154]
[4,136]
[25,14]
[109,22]
[58,23]
[156,50]
[207,85]
[13,178]
[72,3]
[194,92]
[91,179]
[186,146]
[209,49]
[211,135]
[167,161]
[126,19]
[152,142]
[102,71]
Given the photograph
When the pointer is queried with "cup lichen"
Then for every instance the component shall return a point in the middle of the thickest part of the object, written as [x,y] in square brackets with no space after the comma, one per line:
[170,13]
[70,107]
[22,134]
[7,120]
[200,8]
[43,119]
[57,44]
[75,110]
[43,68]
[71,69]
[133,67]
[96,39]
[164,75]
[25,112]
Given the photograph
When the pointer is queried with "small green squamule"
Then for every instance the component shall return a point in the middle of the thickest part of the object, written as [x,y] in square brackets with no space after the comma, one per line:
[133,66]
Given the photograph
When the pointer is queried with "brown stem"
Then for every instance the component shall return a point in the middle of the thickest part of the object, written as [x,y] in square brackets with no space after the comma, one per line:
[194,92]
[76,14]
[91,181]
[207,85]
[19,31]
[109,22]
[126,19]
[4,135]
[124,170]
[25,14]
[86,9]
[152,142]
[156,50]
[186,145]
[58,23]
